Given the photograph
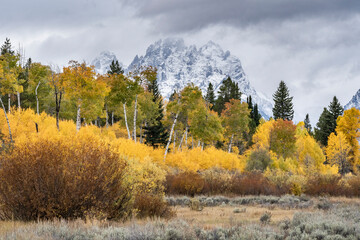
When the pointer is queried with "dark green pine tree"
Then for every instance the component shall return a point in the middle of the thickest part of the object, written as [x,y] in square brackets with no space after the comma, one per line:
[172,96]
[155,133]
[256,115]
[250,105]
[327,121]
[115,68]
[235,91]
[283,107]
[323,127]
[335,110]
[228,90]
[6,48]
[307,124]
[210,96]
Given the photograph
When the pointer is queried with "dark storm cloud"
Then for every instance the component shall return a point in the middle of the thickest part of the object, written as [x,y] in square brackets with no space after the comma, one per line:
[187,15]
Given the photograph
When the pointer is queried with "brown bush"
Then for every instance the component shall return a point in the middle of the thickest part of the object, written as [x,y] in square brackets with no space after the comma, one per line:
[324,185]
[152,205]
[188,183]
[216,181]
[53,178]
[254,183]
[353,186]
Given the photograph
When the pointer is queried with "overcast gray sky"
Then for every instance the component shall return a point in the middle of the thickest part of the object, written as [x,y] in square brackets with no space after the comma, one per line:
[313,45]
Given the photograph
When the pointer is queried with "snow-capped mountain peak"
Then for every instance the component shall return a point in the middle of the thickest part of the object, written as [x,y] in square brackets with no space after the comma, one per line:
[354,102]
[103,61]
[179,65]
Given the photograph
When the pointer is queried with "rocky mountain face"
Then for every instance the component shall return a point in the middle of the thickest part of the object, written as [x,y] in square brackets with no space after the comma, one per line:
[354,102]
[179,65]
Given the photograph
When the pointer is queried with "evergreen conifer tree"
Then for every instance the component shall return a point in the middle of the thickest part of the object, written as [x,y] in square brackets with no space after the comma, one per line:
[283,107]
[155,133]
[6,48]
[256,115]
[172,96]
[115,68]
[210,96]
[327,121]
[307,123]
[323,127]
[228,90]
[335,110]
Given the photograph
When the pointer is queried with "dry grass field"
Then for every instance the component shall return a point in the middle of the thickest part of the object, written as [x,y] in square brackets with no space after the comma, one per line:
[333,218]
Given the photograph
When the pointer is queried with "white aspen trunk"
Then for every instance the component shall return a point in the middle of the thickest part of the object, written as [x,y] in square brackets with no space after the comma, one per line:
[171,132]
[78,119]
[19,100]
[112,118]
[135,112]
[107,117]
[96,122]
[9,103]
[85,124]
[127,126]
[174,140]
[231,139]
[202,146]
[37,100]
[199,142]
[7,120]
[181,141]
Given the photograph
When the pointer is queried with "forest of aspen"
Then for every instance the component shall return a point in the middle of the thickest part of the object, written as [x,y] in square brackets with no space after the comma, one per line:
[76,145]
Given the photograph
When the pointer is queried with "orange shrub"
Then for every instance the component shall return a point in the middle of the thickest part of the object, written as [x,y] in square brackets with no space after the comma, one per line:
[188,183]
[150,205]
[254,183]
[324,185]
[63,178]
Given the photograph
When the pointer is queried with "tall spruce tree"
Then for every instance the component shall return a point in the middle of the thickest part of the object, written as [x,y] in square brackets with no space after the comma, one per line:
[327,121]
[228,90]
[307,123]
[255,117]
[335,110]
[283,107]
[155,133]
[323,127]
[6,48]
[115,68]
[210,96]
[172,96]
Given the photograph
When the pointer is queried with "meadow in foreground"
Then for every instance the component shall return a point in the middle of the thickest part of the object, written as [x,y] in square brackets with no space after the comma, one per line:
[263,217]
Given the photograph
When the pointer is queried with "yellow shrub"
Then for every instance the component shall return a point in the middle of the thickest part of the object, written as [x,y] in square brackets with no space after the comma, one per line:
[197,159]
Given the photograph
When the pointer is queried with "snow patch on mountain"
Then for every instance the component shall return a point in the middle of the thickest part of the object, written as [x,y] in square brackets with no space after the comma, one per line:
[354,102]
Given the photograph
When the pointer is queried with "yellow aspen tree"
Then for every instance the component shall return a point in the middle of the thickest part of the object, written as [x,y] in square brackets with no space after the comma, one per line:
[236,118]
[349,125]
[81,86]
[337,152]
[38,74]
